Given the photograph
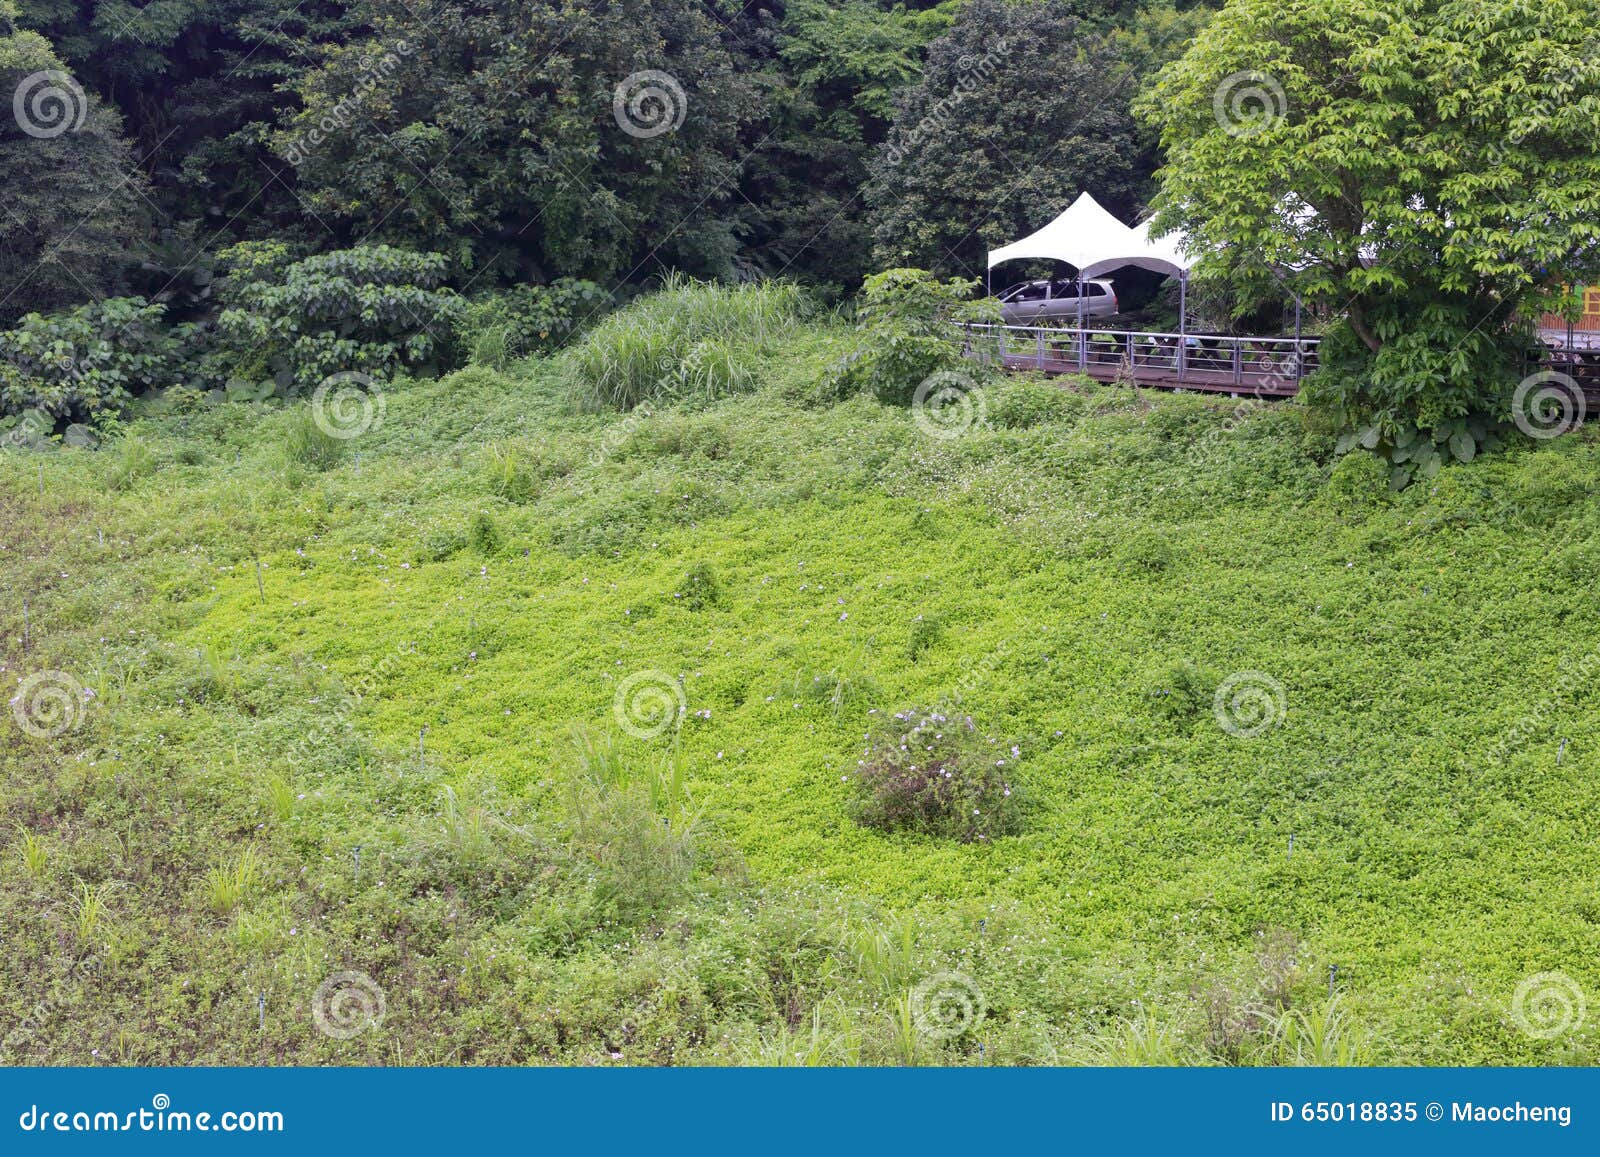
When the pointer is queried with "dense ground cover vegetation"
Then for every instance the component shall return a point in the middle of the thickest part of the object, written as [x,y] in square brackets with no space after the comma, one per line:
[380,710]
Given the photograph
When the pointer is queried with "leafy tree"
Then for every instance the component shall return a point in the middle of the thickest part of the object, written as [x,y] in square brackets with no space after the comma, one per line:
[828,74]
[1427,170]
[1020,107]
[72,191]
[497,135]
[199,83]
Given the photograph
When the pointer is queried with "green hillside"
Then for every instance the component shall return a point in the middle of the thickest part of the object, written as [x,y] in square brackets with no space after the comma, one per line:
[353,706]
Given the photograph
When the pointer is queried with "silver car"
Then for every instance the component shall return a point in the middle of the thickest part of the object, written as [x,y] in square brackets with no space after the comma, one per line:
[1056,302]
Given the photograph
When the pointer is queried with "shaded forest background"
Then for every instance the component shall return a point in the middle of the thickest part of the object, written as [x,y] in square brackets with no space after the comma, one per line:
[818,141]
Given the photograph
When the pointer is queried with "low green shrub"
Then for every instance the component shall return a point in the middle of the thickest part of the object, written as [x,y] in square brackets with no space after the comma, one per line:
[702,587]
[289,324]
[86,364]
[939,777]
[527,320]
[908,328]
[1180,690]
[926,631]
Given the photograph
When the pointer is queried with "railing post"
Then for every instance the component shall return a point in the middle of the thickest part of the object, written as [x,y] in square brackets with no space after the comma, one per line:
[1039,355]
[1238,361]
[1083,350]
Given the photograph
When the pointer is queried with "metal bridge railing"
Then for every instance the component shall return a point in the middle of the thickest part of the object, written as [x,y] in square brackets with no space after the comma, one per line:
[1250,363]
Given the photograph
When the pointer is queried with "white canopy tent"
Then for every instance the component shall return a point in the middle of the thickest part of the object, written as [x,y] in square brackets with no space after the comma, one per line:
[1090,239]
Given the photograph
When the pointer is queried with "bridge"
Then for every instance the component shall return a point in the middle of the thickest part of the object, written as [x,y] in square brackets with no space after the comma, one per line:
[1256,366]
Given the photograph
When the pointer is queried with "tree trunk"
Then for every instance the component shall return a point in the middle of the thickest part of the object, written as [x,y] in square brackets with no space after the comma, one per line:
[1358,323]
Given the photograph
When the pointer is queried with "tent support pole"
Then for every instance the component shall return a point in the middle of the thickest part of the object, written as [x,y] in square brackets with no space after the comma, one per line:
[1083,349]
[1183,320]
[1299,360]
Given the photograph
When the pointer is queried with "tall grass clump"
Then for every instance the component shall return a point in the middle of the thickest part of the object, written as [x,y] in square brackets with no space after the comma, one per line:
[692,338]
[635,820]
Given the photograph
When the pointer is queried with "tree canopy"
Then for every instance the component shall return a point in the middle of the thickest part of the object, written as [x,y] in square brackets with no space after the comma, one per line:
[1426,171]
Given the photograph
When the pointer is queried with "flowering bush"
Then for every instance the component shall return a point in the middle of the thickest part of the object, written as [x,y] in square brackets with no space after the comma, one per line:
[939,776]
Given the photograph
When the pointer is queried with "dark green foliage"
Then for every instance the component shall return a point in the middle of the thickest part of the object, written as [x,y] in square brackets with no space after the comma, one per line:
[925,632]
[550,183]
[1020,107]
[370,310]
[937,775]
[73,218]
[524,320]
[88,363]
[702,587]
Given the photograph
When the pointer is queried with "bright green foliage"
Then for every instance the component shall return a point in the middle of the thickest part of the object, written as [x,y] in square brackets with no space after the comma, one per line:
[908,322]
[86,364]
[370,310]
[1431,651]
[1425,171]
[693,338]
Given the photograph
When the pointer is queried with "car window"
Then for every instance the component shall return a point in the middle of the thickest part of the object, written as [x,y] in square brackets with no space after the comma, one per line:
[1063,289]
[1095,290]
[1029,293]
